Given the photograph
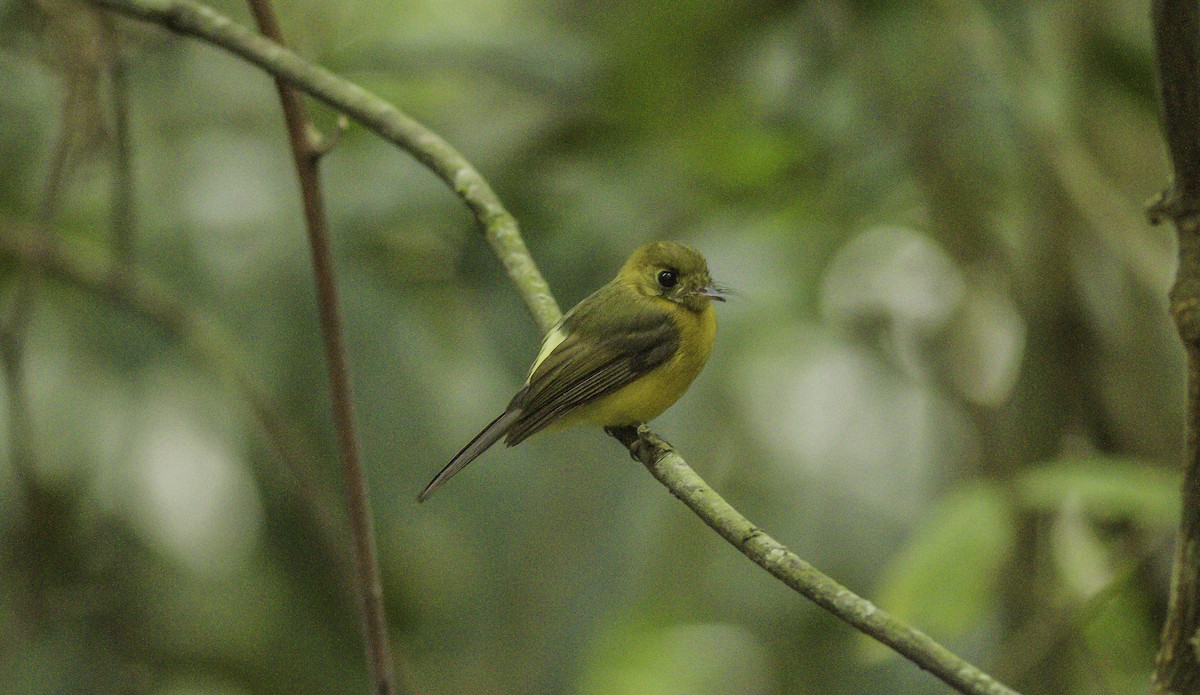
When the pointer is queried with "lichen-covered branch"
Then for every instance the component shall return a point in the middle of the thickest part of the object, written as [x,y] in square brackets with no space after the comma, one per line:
[672,471]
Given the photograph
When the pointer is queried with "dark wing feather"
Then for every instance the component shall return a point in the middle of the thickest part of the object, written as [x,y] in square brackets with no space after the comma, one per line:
[596,358]
[489,436]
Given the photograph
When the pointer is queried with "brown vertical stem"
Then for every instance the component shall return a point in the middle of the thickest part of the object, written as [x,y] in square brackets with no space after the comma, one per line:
[306,156]
[1177,42]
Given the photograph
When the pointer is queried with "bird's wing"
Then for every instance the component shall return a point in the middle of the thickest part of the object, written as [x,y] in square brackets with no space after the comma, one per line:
[594,359]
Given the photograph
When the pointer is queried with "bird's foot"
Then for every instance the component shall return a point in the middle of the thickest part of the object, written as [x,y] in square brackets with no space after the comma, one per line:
[644,446]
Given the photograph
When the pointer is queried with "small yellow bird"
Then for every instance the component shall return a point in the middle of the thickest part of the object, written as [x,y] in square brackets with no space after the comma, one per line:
[621,357]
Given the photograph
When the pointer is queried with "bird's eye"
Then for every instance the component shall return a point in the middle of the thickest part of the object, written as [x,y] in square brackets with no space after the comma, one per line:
[668,278]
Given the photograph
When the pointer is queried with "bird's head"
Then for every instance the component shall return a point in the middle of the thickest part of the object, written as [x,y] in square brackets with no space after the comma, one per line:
[674,272]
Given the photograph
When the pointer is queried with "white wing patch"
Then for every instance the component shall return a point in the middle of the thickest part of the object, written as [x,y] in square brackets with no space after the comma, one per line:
[552,340]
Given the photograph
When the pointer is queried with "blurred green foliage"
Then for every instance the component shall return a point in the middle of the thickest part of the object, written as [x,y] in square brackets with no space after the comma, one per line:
[948,378]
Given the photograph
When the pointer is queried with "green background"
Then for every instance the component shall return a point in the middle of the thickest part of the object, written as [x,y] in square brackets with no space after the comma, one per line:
[947,377]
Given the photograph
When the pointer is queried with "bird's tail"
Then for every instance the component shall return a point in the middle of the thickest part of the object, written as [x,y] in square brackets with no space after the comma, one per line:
[482,441]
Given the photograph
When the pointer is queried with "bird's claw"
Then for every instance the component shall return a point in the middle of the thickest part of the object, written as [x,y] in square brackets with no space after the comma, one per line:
[644,446]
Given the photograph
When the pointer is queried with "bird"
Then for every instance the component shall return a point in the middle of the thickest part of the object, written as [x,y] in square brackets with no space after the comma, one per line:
[619,358]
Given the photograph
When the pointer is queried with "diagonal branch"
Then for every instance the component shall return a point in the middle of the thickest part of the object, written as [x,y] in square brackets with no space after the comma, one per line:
[672,471]
[501,232]
[379,116]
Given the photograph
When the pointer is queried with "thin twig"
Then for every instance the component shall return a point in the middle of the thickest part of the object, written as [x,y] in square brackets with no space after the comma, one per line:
[320,145]
[123,212]
[358,501]
[1177,42]
[501,231]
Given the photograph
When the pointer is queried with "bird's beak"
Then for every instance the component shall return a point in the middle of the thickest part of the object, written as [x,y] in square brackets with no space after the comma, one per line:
[713,291]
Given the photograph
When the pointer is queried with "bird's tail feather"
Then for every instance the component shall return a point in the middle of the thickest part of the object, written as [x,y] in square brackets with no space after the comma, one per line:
[482,441]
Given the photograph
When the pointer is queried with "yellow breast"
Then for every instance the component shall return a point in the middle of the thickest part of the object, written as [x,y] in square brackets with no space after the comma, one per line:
[647,397]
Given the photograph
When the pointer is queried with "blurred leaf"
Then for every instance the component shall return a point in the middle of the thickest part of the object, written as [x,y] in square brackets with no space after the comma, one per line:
[688,659]
[944,580]
[1119,643]
[740,159]
[1114,489]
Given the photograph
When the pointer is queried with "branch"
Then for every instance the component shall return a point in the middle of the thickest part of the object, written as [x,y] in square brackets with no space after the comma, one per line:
[358,499]
[501,231]
[676,475]
[1177,40]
